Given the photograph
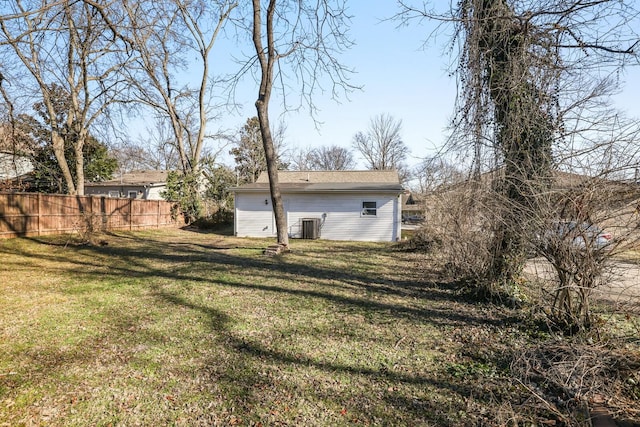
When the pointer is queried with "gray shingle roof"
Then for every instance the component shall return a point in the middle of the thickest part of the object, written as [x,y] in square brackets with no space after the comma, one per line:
[315,181]
[147,177]
[290,177]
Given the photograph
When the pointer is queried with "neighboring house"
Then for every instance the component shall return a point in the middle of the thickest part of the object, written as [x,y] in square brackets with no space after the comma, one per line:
[15,171]
[333,205]
[135,185]
[413,208]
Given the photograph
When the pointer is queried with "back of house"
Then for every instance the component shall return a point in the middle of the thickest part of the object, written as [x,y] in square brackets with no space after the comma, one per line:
[333,205]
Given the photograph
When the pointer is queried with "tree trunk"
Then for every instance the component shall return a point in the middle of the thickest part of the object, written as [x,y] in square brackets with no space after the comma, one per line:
[272,171]
[58,149]
[268,58]
[524,137]
[79,146]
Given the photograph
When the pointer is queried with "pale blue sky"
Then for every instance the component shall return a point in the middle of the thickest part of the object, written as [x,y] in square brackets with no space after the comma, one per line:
[400,76]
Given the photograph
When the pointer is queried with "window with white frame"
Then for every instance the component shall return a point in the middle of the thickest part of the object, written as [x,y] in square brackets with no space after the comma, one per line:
[369,208]
[114,194]
[133,194]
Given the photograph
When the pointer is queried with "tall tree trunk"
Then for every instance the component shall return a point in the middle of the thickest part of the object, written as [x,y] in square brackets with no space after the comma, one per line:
[272,171]
[79,151]
[268,59]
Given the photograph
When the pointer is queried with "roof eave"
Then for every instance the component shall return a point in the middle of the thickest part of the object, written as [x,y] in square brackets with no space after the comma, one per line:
[125,184]
[302,190]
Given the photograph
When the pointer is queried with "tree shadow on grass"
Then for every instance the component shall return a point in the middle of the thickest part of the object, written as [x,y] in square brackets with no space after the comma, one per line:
[247,380]
[192,262]
[406,297]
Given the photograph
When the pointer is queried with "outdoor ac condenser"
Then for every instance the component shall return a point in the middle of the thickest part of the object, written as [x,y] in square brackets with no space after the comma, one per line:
[310,228]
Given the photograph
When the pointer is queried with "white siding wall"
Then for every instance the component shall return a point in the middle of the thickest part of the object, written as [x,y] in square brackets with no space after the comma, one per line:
[253,218]
[13,166]
[153,193]
[340,215]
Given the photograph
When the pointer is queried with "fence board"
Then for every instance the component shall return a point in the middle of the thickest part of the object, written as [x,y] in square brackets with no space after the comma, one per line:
[29,214]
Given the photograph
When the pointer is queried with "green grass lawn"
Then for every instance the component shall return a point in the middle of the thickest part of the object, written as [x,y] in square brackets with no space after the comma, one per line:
[184,328]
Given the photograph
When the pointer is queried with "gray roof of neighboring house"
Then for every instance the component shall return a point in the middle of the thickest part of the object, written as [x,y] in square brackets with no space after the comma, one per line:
[561,179]
[321,181]
[139,178]
[413,202]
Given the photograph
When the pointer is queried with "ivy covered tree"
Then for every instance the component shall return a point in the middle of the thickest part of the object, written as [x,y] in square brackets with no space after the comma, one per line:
[533,82]
[506,57]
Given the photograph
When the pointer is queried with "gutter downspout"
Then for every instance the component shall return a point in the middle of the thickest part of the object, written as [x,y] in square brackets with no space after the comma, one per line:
[235,215]
[398,219]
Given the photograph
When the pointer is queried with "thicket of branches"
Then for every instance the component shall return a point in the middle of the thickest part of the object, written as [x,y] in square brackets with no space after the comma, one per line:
[67,46]
[533,84]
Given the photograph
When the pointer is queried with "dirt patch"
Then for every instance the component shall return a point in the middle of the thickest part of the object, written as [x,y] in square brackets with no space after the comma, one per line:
[620,284]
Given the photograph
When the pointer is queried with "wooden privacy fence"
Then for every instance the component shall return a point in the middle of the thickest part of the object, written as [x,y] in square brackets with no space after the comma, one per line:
[35,214]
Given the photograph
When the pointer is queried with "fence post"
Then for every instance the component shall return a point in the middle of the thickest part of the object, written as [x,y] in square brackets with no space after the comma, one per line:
[130,214]
[39,214]
[103,214]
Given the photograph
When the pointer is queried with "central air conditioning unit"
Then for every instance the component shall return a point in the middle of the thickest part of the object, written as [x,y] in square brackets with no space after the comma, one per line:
[310,228]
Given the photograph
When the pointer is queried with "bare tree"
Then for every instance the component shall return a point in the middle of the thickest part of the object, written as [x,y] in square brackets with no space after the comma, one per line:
[154,150]
[63,44]
[332,158]
[435,173]
[381,145]
[164,34]
[290,36]
[328,158]
[300,159]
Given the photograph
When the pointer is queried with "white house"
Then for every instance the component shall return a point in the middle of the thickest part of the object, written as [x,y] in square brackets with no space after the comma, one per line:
[333,205]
